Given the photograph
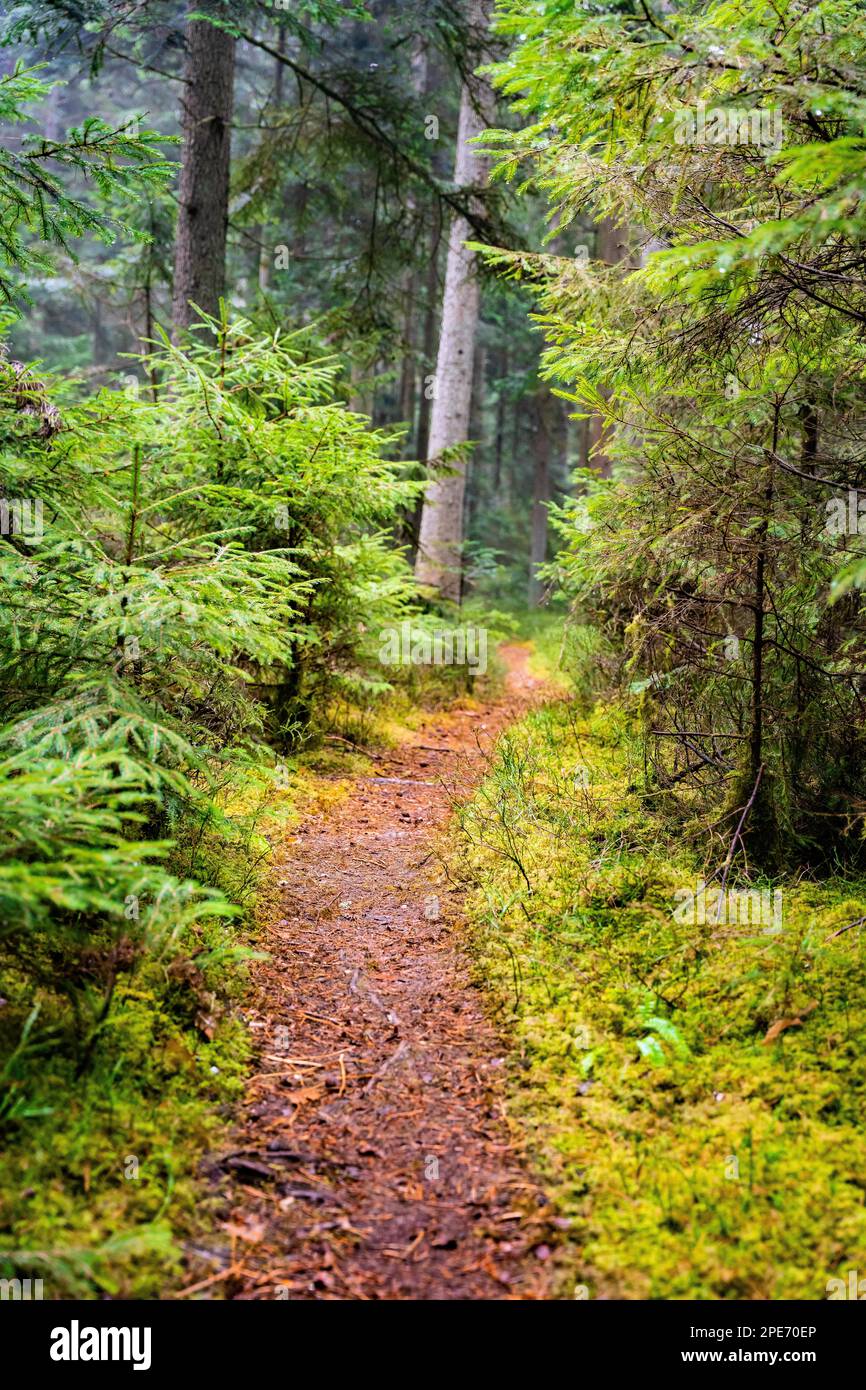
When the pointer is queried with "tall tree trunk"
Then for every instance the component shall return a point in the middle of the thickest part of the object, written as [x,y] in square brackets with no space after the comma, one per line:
[428,346]
[420,71]
[431,295]
[512,482]
[200,249]
[300,201]
[611,246]
[540,498]
[406,408]
[756,732]
[357,401]
[549,446]
[441,534]
[53,118]
[761,833]
[502,373]
[100,337]
[280,68]
[476,432]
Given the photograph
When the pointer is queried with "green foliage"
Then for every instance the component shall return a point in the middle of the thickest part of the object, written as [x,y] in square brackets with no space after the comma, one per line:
[192,562]
[696,1091]
[204,570]
[723,354]
[36,201]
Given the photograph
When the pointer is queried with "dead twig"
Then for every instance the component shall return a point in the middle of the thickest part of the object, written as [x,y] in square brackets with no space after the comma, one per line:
[730,855]
[858,923]
[213,1279]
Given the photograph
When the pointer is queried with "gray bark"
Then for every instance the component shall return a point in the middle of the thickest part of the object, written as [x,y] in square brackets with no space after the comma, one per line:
[203,196]
[440,541]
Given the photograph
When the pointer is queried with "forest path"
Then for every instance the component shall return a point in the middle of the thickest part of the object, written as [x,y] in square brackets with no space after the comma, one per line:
[374,1159]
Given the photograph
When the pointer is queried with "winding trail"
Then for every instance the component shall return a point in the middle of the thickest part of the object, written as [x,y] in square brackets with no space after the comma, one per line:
[374,1159]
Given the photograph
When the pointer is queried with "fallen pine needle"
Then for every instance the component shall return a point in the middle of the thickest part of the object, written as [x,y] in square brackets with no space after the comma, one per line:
[268,1075]
[410,1249]
[214,1279]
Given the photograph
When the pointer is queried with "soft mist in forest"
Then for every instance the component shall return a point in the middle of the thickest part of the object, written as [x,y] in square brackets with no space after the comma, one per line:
[433,665]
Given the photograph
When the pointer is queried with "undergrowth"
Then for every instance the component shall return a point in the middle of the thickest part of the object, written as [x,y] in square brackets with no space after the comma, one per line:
[100,1170]
[696,1092]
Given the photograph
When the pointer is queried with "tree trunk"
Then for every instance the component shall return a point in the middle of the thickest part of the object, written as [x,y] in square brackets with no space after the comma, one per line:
[761,834]
[357,400]
[611,246]
[540,498]
[476,432]
[406,405]
[441,534]
[431,296]
[53,119]
[203,198]
[279,68]
[549,445]
[422,450]
[100,337]
[512,481]
[502,373]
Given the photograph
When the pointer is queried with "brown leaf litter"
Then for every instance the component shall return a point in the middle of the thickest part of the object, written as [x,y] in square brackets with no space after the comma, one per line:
[374,1159]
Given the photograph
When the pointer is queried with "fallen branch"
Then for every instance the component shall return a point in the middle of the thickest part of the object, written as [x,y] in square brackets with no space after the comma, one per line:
[858,922]
[213,1279]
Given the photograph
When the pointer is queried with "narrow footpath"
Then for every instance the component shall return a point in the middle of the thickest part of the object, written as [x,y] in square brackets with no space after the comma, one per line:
[375,1160]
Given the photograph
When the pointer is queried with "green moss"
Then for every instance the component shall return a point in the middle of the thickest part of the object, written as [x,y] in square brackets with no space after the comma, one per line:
[98,1188]
[694,1156]
[99,1164]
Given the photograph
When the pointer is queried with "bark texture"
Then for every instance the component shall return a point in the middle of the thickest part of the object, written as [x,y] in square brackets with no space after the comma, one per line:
[612,247]
[549,452]
[203,196]
[440,540]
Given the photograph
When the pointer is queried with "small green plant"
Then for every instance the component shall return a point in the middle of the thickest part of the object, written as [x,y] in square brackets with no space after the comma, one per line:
[695,1089]
[189,576]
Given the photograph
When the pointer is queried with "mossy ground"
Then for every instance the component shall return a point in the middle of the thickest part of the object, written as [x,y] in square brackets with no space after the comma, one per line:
[99,1172]
[691,1155]
[101,1180]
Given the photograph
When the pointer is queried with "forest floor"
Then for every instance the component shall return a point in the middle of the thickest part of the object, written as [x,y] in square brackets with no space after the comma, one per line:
[375,1158]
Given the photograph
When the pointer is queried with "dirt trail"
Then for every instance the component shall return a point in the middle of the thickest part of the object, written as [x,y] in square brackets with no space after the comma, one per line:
[375,1160]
